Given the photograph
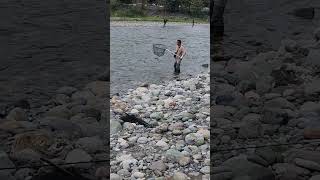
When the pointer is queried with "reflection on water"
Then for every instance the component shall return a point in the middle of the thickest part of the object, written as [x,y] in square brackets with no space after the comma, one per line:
[133,61]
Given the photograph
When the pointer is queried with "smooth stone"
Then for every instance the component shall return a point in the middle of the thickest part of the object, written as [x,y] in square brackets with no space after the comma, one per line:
[316,177]
[79,155]
[115,126]
[205,170]
[194,139]
[90,144]
[142,140]
[5,162]
[115,177]
[17,114]
[158,165]
[179,176]
[307,164]
[138,175]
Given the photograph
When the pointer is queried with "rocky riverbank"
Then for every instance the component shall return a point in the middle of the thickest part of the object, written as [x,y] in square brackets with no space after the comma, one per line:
[177,145]
[272,98]
[70,128]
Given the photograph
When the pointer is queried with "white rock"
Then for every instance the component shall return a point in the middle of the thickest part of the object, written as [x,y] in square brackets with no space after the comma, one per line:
[142,140]
[115,177]
[205,133]
[138,175]
[205,170]
[163,145]
[179,176]
[129,163]
[194,138]
[134,111]
[123,143]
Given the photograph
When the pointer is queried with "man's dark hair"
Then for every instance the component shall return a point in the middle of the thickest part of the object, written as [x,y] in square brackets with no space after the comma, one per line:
[179,41]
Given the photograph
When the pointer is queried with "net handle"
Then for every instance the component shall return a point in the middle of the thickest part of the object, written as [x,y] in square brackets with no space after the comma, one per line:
[172,52]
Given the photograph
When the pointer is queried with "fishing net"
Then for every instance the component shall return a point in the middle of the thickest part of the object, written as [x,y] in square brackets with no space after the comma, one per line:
[159,49]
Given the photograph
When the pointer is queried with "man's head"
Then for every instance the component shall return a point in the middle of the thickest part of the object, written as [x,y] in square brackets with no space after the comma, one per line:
[179,42]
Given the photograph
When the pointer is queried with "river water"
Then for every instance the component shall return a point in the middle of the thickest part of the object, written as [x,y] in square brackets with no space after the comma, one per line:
[133,61]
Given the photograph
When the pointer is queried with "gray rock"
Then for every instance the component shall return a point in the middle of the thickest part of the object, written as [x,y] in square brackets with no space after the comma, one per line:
[60,112]
[316,177]
[279,103]
[115,126]
[173,155]
[82,95]
[257,159]
[129,164]
[115,177]
[306,13]
[223,176]
[138,175]
[225,139]
[289,171]
[79,155]
[289,45]
[205,170]
[176,126]
[267,154]
[273,116]
[27,156]
[242,178]
[310,106]
[251,127]
[61,99]
[291,155]
[313,87]
[92,129]
[194,139]
[90,144]
[142,140]
[163,145]
[22,174]
[179,176]
[186,116]
[240,166]
[98,88]
[16,127]
[61,126]
[264,84]
[184,160]
[307,164]
[17,114]
[156,115]
[67,90]
[5,162]
[158,165]
[6,176]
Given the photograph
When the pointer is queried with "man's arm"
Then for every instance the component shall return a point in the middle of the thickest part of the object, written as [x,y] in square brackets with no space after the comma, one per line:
[183,52]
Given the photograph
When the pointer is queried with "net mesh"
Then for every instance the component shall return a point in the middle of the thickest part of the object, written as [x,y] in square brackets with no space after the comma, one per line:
[159,49]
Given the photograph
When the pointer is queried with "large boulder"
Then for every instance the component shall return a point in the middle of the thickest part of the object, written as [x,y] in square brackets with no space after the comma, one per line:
[241,167]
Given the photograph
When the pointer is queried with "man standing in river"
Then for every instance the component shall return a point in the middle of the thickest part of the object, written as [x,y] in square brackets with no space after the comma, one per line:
[179,54]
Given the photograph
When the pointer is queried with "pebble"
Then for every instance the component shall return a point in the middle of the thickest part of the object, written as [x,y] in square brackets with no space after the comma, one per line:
[138,175]
[142,140]
[179,176]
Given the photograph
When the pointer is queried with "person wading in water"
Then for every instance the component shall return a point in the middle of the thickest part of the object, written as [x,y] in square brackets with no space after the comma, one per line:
[179,54]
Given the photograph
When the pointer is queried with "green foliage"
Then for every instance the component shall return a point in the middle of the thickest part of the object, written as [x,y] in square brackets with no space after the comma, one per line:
[128,12]
[188,7]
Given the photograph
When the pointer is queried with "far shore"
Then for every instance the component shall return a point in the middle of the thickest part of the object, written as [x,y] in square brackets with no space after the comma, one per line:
[157,19]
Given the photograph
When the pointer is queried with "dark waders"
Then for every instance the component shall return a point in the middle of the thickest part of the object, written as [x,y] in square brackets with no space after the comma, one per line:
[177,66]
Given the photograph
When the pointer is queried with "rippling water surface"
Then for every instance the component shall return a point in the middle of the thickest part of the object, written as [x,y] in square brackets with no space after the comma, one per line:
[133,61]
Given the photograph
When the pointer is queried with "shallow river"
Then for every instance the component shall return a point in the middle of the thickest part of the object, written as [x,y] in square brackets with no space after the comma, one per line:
[133,61]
